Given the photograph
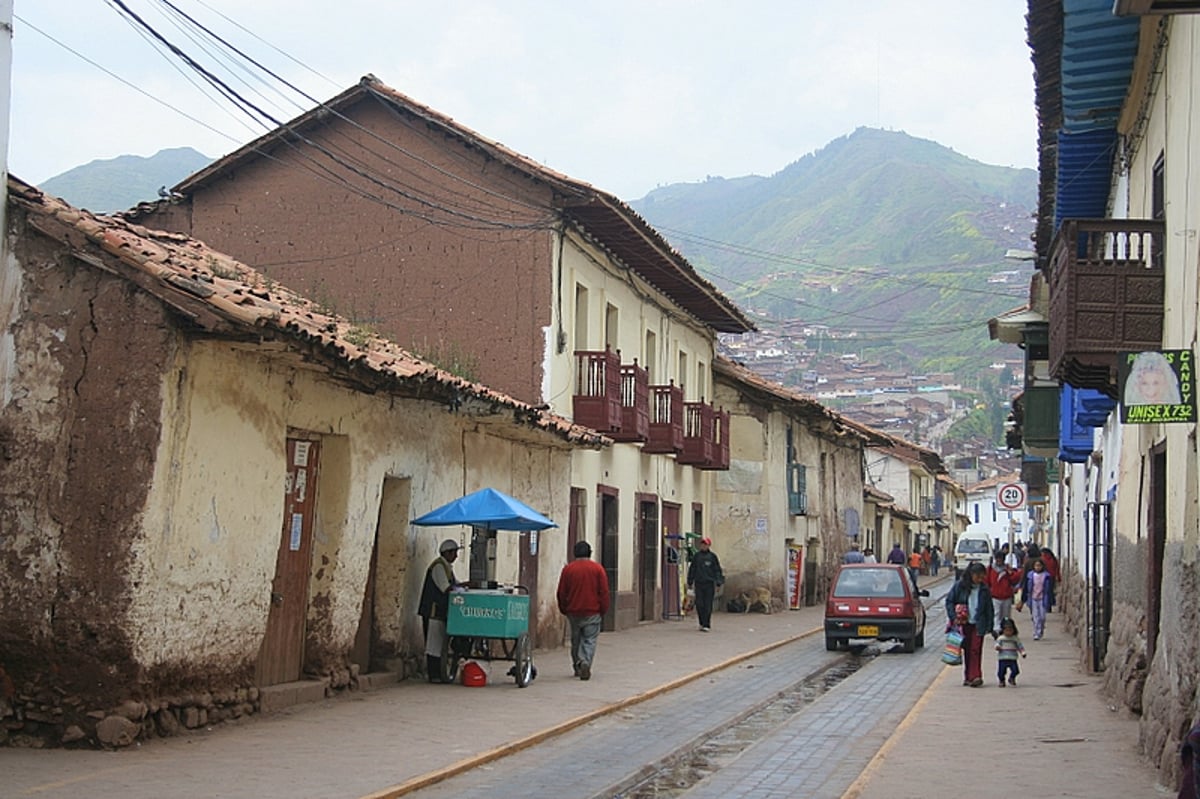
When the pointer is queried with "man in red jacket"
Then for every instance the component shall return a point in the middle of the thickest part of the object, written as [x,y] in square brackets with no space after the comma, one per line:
[583,599]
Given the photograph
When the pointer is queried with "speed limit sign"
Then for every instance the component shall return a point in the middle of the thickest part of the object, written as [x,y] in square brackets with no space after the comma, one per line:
[1011,496]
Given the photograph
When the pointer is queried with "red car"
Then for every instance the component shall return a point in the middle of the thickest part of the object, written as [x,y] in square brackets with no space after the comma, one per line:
[874,601]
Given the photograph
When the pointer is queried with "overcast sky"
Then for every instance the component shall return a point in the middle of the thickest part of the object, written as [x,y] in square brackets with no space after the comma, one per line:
[625,95]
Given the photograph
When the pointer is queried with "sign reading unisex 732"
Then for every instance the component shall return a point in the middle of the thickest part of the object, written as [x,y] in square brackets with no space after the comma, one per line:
[1157,386]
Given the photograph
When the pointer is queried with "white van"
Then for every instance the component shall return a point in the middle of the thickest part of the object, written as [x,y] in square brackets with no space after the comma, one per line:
[975,545]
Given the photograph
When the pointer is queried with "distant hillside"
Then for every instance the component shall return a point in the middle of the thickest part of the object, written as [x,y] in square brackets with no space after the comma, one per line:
[886,239]
[116,184]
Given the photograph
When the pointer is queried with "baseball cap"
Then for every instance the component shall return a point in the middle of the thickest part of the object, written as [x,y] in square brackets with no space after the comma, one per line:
[449,545]
[706,541]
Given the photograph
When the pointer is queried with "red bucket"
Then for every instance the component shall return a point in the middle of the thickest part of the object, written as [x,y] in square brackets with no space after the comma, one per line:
[473,675]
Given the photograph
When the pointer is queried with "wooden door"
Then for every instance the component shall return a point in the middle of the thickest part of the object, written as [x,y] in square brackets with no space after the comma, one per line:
[610,543]
[671,548]
[647,568]
[530,546]
[1157,523]
[364,639]
[282,654]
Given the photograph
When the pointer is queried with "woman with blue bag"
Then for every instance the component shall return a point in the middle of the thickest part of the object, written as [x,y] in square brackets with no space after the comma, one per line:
[969,612]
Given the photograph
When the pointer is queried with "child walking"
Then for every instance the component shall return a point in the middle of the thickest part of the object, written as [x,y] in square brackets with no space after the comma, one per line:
[1038,594]
[1008,646]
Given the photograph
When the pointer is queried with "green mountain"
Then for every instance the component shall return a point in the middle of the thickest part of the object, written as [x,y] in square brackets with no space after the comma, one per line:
[116,184]
[895,244]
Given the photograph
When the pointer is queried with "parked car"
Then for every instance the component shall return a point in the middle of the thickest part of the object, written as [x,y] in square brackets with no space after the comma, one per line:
[874,601]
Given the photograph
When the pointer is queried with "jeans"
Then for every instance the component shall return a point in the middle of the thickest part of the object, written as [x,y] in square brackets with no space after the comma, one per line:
[704,602]
[1037,609]
[585,631]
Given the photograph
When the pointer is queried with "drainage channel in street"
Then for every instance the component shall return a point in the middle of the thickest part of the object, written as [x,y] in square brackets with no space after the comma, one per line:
[682,771]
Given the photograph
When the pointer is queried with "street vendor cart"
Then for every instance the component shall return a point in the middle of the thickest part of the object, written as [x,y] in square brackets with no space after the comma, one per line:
[489,623]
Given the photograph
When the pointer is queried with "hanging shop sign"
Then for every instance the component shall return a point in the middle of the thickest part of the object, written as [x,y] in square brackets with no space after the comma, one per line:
[1157,387]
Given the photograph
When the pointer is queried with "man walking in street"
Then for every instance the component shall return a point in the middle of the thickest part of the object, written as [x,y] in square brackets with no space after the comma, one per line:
[704,574]
[897,555]
[583,598]
[435,599]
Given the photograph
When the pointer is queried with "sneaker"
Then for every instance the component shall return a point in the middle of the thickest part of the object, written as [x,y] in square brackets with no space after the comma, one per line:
[1002,683]
[704,629]
[585,671]
[978,681]
[1012,681]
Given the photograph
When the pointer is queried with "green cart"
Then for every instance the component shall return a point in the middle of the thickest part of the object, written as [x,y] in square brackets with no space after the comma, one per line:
[489,624]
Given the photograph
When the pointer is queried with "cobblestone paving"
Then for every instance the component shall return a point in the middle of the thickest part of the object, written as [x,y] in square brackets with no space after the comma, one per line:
[819,751]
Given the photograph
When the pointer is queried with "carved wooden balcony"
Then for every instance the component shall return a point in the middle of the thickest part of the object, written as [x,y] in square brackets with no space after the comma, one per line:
[666,420]
[597,400]
[635,404]
[705,436]
[1106,297]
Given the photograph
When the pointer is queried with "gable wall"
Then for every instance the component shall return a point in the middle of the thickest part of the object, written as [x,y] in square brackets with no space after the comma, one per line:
[460,274]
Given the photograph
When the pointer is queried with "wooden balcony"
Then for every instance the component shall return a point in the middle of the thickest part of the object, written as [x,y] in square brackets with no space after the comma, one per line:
[1106,297]
[705,436]
[597,400]
[635,404]
[666,420]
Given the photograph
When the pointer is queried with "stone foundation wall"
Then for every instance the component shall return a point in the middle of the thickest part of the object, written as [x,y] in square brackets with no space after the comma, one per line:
[1171,694]
[38,717]
[1125,666]
[1163,692]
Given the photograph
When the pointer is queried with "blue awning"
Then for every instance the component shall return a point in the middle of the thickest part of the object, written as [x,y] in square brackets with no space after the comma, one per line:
[1075,441]
[1098,51]
[488,508]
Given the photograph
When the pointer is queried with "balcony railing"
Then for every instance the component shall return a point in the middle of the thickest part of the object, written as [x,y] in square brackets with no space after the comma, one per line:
[1106,297]
[635,404]
[597,401]
[666,420]
[705,436]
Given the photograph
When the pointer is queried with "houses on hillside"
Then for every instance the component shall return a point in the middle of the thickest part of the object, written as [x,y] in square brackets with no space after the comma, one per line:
[455,316]
[1118,262]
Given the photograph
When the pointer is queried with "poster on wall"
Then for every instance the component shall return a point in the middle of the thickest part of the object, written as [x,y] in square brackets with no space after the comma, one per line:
[795,575]
[1157,387]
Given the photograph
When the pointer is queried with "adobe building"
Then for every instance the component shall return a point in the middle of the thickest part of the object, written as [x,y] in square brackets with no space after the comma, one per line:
[488,263]
[207,483]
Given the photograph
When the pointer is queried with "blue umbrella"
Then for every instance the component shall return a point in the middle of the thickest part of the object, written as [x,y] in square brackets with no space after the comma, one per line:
[488,508]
